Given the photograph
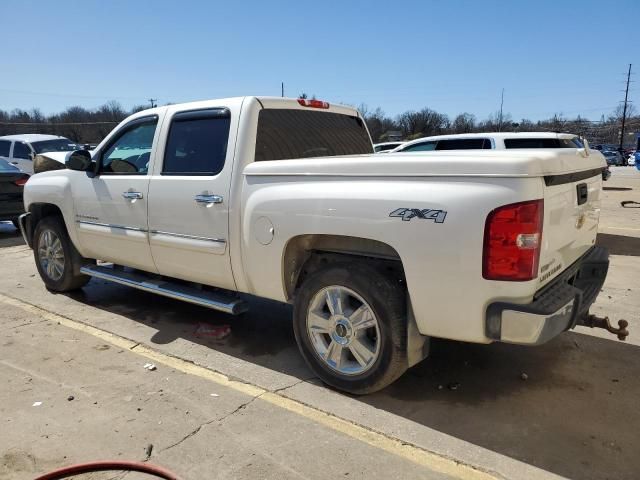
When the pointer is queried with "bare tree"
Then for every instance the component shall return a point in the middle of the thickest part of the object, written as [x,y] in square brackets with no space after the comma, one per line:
[464,123]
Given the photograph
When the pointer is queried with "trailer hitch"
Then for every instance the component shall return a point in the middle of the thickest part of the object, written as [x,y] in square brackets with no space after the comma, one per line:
[594,321]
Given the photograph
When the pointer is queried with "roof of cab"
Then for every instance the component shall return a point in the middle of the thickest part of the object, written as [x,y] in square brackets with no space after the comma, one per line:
[32,137]
[265,101]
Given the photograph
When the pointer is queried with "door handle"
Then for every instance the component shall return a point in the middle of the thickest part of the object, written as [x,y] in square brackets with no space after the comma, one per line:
[132,195]
[208,199]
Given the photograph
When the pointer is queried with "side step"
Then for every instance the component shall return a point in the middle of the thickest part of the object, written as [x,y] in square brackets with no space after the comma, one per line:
[215,300]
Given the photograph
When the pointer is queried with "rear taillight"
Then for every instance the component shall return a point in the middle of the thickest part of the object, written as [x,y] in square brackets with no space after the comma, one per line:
[313,103]
[512,239]
[21,181]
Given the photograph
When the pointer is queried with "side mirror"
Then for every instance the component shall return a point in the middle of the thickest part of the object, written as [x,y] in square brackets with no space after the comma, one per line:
[79,160]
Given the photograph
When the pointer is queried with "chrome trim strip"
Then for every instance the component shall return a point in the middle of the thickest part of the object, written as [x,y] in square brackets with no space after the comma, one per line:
[233,307]
[21,223]
[111,225]
[190,237]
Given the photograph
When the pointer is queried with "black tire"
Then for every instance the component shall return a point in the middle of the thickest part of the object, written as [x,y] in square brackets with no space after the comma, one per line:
[387,300]
[71,278]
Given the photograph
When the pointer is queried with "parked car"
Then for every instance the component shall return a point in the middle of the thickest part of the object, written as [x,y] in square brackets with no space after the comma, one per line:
[496,141]
[20,150]
[385,146]
[278,198]
[613,158]
[12,182]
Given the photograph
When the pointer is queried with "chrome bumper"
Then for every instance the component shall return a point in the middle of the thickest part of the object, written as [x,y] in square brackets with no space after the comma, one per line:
[22,222]
[559,306]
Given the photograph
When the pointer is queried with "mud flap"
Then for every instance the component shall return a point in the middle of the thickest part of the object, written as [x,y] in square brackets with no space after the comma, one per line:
[417,344]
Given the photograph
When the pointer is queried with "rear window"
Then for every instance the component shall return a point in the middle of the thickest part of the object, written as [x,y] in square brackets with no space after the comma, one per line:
[286,134]
[542,143]
[464,144]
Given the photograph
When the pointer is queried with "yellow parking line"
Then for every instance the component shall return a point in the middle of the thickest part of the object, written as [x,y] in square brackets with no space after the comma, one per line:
[412,453]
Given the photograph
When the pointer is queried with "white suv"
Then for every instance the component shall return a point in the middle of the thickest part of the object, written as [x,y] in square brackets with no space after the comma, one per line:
[492,141]
[19,150]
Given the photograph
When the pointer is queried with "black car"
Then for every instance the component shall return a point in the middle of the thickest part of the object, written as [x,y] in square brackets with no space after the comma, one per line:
[12,182]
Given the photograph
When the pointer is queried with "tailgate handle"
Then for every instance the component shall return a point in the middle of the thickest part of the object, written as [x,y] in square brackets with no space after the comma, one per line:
[583,193]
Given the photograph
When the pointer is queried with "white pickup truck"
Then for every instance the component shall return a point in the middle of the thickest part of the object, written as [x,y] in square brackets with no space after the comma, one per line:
[283,199]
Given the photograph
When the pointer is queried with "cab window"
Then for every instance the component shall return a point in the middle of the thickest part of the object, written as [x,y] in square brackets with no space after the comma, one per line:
[5,145]
[21,151]
[464,144]
[130,152]
[197,143]
[421,147]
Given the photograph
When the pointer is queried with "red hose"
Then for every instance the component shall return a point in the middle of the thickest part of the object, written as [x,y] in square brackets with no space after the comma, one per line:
[108,465]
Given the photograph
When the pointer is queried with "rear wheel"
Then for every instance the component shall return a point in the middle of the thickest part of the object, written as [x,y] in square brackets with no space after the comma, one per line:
[350,325]
[57,260]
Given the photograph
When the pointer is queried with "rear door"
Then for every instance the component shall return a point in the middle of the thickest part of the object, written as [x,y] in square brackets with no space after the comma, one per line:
[189,197]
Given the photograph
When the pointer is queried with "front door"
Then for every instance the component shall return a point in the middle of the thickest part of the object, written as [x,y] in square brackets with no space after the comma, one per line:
[111,208]
[189,198]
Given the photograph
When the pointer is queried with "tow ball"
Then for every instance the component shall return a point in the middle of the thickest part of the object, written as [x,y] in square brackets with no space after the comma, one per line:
[594,321]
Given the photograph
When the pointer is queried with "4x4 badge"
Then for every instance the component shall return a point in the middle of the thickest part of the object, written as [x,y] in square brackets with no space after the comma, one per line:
[407,214]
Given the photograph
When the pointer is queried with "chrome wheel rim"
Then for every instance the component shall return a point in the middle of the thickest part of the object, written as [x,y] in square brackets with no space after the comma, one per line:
[343,330]
[51,255]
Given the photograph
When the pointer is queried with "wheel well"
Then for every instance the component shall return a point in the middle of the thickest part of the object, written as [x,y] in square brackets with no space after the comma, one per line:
[306,254]
[39,211]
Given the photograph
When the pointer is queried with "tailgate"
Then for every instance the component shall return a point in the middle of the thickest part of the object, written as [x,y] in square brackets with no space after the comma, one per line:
[571,213]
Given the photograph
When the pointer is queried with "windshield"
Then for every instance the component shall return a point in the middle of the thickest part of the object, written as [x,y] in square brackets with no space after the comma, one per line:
[57,145]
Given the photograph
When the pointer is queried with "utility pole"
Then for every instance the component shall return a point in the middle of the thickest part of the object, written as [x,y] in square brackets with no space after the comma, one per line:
[152,101]
[282,88]
[500,117]
[624,110]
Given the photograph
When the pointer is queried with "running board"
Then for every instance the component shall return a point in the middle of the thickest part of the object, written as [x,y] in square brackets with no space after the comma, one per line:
[215,300]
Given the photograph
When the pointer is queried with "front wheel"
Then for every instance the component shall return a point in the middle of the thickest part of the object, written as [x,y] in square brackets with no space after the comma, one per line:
[350,325]
[57,260]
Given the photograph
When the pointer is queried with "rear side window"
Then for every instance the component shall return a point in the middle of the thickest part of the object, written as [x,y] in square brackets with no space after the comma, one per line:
[464,144]
[4,148]
[542,143]
[286,134]
[197,143]
[20,150]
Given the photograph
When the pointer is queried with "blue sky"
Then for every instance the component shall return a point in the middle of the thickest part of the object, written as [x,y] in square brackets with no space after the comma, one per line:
[566,57]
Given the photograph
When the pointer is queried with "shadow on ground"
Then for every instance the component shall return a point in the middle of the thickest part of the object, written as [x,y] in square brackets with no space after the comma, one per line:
[617,189]
[619,244]
[575,414]
[9,235]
